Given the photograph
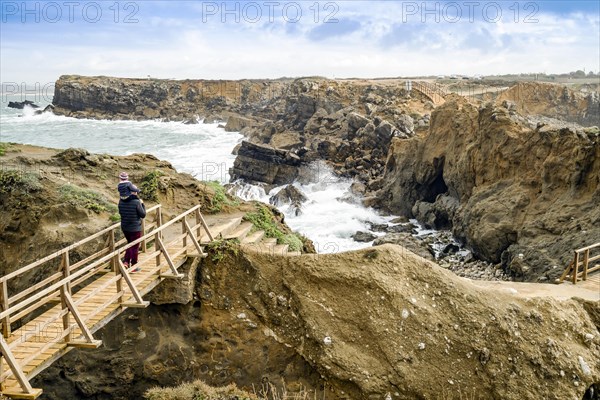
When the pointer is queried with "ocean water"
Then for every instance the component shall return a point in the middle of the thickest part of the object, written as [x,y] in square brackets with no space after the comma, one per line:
[204,150]
[330,216]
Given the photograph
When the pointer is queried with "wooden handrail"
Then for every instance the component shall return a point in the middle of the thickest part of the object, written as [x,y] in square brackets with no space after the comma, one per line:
[588,247]
[581,258]
[56,286]
[60,252]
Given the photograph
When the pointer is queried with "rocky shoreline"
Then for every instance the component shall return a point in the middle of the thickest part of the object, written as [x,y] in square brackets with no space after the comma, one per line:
[514,178]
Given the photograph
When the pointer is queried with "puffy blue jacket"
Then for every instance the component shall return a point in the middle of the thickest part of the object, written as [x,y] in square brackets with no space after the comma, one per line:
[132,211]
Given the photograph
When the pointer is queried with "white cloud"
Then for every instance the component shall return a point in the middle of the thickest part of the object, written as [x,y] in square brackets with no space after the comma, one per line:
[374,42]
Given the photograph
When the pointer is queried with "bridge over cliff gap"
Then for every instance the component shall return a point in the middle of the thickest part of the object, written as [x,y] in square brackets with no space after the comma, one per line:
[63,310]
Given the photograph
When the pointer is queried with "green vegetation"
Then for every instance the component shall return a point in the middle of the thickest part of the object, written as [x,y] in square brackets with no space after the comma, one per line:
[198,391]
[149,186]
[3,147]
[219,248]
[220,200]
[263,219]
[85,198]
[116,217]
[12,180]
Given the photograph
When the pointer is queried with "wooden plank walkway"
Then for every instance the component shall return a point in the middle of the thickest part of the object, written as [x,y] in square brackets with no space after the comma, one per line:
[71,315]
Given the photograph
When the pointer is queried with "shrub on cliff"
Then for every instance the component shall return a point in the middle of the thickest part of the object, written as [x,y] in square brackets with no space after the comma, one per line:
[220,200]
[88,199]
[12,180]
[149,186]
[263,219]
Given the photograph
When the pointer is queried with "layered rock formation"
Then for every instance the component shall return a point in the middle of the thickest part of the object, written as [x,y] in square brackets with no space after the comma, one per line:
[261,163]
[516,193]
[360,325]
[121,98]
[555,101]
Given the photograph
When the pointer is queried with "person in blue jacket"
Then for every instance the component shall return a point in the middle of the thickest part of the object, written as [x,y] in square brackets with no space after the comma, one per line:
[132,211]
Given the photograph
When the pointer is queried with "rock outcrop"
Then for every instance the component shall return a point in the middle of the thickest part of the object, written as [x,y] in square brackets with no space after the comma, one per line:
[554,101]
[291,197]
[22,104]
[515,193]
[509,179]
[261,163]
[122,98]
[358,325]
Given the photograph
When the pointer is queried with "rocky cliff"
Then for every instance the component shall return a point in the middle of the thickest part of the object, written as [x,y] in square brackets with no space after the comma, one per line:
[555,101]
[515,179]
[380,323]
[122,98]
[515,191]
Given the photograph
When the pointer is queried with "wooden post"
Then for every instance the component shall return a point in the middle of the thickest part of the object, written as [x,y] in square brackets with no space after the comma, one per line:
[144,245]
[17,371]
[89,340]
[4,307]
[64,291]
[586,258]
[205,226]
[116,261]
[158,234]
[184,231]
[198,221]
[575,268]
[139,302]
[111,247]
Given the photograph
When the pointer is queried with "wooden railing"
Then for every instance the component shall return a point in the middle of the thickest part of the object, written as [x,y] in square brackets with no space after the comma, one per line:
[71,277]
[65,269]
[579,268]
[431,90]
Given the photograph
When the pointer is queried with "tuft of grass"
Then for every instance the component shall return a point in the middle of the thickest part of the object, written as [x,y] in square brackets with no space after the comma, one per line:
[220,200]
[263,219]
[3,147]
[88,199]
[219,248]
[149,186]
[12,180]
[116,217]
[198,390]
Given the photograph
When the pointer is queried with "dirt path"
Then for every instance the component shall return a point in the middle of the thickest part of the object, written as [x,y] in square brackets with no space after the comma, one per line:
[528,290]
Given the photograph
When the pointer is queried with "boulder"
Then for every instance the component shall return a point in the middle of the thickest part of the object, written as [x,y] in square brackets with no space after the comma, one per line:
[405,124]
[357,121]
[235,123]
[289,195]
[363,237]
[21,104]
[262,163]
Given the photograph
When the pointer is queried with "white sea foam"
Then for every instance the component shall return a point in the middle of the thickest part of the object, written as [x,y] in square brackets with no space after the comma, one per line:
[327,218]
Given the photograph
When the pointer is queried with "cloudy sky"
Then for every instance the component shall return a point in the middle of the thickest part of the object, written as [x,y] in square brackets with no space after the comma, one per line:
[41,40]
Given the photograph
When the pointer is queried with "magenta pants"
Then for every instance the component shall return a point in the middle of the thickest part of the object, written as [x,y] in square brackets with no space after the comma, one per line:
[131,254]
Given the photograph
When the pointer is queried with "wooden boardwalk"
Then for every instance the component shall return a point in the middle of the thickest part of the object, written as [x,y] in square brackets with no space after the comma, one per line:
[42,322]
